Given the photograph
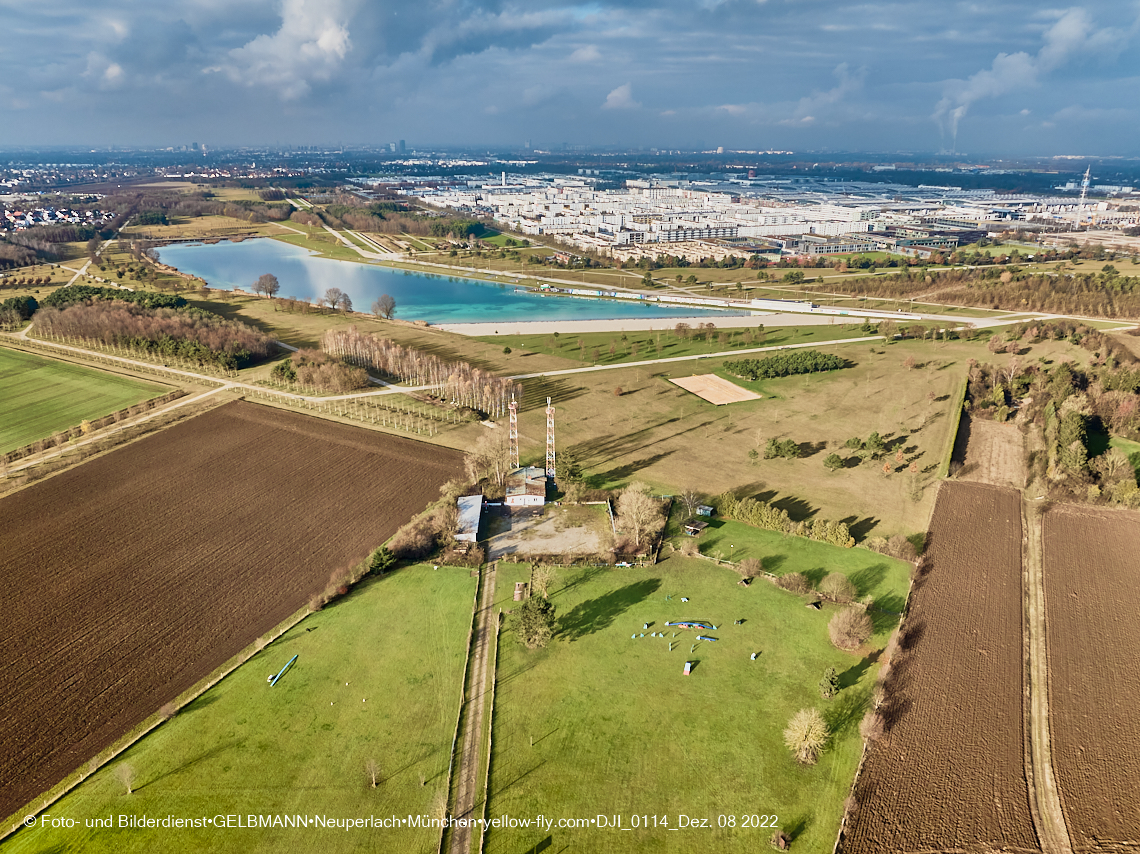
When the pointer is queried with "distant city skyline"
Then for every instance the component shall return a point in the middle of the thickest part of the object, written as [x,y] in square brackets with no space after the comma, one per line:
[1006,79]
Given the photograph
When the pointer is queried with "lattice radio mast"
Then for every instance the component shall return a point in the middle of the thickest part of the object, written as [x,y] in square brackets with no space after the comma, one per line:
[514,450]
[549,438]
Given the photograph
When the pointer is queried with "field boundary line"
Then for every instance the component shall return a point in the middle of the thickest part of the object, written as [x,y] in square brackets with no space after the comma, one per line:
[1052,830]
[144,729]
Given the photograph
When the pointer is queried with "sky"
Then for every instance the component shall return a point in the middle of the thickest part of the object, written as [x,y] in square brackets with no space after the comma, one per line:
[991,79]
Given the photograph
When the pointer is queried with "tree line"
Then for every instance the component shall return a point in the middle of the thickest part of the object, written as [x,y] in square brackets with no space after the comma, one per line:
[191,334]
[1101,294]
[459,382]
[82,293]
[783,365]
[761,514]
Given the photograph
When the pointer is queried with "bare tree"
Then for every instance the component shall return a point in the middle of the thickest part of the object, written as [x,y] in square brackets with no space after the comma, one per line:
[384,306]
[690,499]
[750,567]
[639,513]
[489,457]
[541,579]
[332,297]
[372,769]
[837,587]
[125,774]
[345,303]
[267,284]
[850,628]
[806,736]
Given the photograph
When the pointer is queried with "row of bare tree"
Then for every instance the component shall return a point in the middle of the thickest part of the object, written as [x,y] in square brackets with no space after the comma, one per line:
[459,382]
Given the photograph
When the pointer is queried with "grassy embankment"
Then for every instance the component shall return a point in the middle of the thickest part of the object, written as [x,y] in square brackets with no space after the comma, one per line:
[378,677]
[600,723]
[39,397]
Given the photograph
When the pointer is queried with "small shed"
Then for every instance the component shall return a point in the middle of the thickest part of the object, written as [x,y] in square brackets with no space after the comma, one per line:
[470,511]
[526,487]
[521,590]
[693,527]
[688,667]
[705,510]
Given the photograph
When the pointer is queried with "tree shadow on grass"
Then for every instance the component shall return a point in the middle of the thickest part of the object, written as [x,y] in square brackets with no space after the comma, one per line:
[796,826]
[624,472]
[798,509]
[521,777]
[860,528]
[814,575]
[216,750]
[886,611]
[596,614]
[772,563]
[855,672]
[867,578]
[845,712]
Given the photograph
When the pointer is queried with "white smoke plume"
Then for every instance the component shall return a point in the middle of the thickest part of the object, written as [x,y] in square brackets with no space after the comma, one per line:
[1071,36]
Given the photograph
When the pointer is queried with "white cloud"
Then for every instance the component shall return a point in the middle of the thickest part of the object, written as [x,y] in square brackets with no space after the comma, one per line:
[817,101]
[105,73]
[589,53]
[621,98]
[310,45]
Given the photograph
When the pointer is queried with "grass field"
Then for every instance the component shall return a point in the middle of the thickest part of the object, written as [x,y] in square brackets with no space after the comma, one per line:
[1130,449]
[300,747]
[39,397]
[664,344]
[601,724]
[877,578]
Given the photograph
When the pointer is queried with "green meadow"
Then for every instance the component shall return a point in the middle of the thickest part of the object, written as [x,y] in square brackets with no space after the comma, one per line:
[39,397]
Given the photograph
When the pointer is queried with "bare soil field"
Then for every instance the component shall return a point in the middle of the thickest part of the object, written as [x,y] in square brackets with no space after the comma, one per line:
[1092,578]
[991,452]
[716,390]
[131,577]
[949,773]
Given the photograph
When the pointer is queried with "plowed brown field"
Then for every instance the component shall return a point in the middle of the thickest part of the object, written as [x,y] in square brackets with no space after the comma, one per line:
[129,578]
[949,774]
[1092,606]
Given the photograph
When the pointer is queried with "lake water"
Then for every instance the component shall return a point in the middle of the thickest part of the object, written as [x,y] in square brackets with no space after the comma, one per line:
[434,298]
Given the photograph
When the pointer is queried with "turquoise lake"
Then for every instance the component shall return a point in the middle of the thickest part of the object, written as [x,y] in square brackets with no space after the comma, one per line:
[434,298]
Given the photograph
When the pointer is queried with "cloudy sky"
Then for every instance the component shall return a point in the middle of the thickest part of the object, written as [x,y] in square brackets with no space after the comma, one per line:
[988,78]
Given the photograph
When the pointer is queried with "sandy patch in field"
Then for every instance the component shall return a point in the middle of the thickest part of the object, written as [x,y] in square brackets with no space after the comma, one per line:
[714,389]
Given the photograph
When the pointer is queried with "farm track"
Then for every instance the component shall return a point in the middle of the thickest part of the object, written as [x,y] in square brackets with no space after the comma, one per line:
[1092,577]
[130,578]
[1047,815]
[474,723]
[949,774]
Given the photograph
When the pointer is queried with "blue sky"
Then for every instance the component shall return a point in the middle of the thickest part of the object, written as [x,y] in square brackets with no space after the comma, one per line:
[998,78]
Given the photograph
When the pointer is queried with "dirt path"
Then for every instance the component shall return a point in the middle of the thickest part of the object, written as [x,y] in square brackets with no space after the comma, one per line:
[1052,831]
[466,779]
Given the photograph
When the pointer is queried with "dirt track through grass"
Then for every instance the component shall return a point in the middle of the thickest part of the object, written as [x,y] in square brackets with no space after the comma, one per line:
[474,721]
